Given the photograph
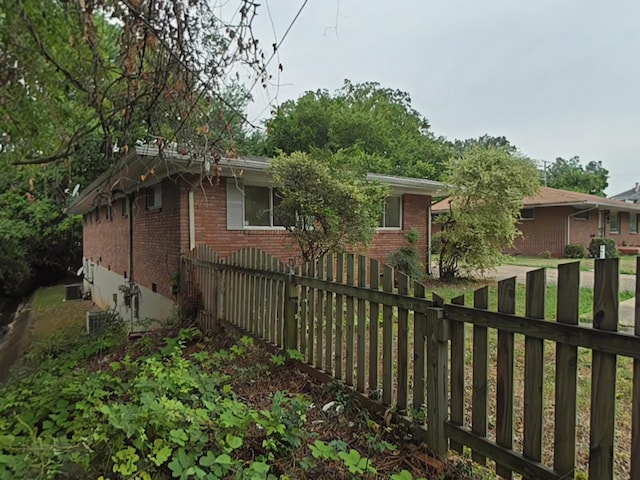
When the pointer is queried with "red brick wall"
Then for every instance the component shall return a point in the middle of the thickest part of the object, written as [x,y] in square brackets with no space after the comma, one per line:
[624,235]
[161,235]
[211,227]
[105,241]
[156,239]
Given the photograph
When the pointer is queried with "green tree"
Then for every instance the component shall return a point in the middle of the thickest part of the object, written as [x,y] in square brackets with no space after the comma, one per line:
[377,125]
[325,203]
[461,146]
[121,71]
[570,174]
[487,186]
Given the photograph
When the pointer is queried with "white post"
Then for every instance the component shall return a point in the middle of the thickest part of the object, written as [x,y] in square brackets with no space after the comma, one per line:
[602,251]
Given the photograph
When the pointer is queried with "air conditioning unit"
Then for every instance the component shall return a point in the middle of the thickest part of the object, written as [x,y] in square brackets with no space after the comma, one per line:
[73,291]
[99,321]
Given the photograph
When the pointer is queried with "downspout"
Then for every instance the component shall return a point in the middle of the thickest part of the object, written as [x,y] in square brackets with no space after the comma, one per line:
[130,198]
[576,213]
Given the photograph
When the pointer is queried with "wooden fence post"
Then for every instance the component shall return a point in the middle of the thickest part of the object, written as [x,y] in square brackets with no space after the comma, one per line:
[437,391]
[603,371]
[291,313]
[635,418]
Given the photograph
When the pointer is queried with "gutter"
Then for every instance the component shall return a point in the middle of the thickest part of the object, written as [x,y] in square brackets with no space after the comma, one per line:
[569,221]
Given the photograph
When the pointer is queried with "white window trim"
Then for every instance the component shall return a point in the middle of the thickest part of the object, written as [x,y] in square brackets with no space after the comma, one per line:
[393,229]
[260,227]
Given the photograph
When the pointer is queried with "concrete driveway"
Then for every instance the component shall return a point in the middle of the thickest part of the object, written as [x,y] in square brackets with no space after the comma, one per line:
[627,282]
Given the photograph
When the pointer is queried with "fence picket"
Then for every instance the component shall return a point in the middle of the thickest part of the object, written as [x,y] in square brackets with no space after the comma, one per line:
[304,311]
[320,275]
[534,368]
[479,411]
[403,346]
[419,358]
[635,416]
[374,313]
[328,357]
[504,400]
[566,371]
[457,372]
[387,339]
[339,349]
[311,318]
[350,320]
[437,391]
[603,371]
[362,326]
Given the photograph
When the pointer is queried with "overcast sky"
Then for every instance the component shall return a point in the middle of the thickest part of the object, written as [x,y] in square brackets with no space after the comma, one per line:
[557,78]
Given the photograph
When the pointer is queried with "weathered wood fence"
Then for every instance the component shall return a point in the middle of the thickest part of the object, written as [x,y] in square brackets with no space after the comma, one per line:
[450,367]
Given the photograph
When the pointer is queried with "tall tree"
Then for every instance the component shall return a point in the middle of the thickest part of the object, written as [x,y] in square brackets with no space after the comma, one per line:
[122,70]
[377,125]
[570,174]
[326,204]
[461,146]
[487,187]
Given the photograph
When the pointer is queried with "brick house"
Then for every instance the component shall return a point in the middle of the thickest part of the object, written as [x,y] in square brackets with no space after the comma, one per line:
[555,218]
[144,212]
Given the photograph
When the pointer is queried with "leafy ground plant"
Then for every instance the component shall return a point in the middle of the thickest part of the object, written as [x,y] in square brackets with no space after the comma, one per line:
[181,405]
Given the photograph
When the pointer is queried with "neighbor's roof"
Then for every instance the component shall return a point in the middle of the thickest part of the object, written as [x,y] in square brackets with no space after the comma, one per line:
[632,195]
[145,166]
[553,197]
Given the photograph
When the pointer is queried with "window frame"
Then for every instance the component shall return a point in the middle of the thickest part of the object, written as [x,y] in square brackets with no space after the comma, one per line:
[617,217]
[271,226]
[579,215]
[634,216]
[383,227]
[533,214]
[154,192]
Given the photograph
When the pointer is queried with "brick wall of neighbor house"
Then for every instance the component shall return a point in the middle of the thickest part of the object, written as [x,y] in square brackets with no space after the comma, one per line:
[211,227]
[625,237]
[105,241]
[547,232]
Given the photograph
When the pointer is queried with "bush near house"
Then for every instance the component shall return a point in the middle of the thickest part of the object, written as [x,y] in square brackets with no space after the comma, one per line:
[611,250]
[575,250]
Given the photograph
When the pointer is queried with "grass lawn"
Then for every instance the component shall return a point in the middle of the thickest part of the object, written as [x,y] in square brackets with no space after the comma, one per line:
[51,314]
[627,262]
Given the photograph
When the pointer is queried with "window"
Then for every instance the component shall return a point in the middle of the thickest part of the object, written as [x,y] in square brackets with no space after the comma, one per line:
[392,214]
[154,197]
[527,214]
[583,215]
[633,223]
[259,206]
[614,223]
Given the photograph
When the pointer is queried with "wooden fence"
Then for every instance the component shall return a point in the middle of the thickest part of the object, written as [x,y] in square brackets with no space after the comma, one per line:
[451,368]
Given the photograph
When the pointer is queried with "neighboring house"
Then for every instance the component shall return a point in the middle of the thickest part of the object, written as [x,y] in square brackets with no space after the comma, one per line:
[630,196]
[147,210]
[555,218]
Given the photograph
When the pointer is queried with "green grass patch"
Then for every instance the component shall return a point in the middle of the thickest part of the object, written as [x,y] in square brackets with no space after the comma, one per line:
[52,316]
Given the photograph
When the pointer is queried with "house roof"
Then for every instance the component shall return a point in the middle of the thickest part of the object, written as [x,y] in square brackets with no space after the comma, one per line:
[146,166]
[632,195]
[553,197]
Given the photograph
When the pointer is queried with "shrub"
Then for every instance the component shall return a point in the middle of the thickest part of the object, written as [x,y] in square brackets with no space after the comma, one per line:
[575,250]
[406,259]
[611,250]
[546,254]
